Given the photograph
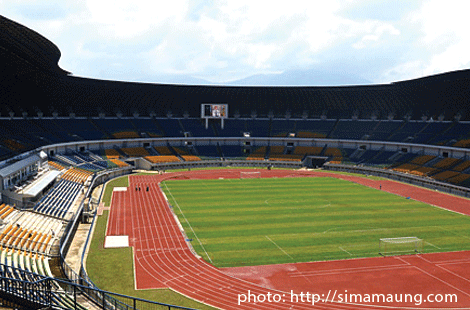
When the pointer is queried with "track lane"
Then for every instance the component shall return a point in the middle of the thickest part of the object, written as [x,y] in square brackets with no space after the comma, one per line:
[163,258]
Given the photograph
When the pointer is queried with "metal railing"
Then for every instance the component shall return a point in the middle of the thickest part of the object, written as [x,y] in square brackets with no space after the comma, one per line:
[43,291]
[80,284]
[402,177]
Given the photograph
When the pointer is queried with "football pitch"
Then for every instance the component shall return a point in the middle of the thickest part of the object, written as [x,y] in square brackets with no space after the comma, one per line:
[246,222]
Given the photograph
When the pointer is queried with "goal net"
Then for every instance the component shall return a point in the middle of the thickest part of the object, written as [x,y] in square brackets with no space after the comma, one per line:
[250,175]
[400,246]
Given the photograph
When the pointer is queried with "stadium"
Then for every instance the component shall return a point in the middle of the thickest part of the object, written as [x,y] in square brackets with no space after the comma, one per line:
[120,195]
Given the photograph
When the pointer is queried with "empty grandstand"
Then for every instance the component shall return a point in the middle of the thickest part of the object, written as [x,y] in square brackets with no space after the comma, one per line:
[54,151]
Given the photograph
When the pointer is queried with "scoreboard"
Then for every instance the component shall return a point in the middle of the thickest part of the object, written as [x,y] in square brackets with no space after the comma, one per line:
[214,111]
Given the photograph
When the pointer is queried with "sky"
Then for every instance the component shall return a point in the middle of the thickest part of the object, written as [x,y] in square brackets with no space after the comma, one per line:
[188,42]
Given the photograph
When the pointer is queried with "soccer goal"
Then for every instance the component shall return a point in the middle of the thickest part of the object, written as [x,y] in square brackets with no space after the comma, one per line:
[250,175]
[400,246]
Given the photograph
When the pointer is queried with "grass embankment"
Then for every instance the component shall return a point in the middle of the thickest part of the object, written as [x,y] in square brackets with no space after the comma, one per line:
[112,269]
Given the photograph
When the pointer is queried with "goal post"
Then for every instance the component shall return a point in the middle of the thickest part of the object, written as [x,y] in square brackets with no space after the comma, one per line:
[250,174]
[400,246]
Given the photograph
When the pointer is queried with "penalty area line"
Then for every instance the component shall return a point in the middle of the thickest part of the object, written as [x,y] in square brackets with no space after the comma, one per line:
[279,247]
[432,245]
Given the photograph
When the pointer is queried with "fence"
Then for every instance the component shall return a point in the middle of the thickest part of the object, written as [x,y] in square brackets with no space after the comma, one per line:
[143,164]
[79,285]
[402,177]
[41,291]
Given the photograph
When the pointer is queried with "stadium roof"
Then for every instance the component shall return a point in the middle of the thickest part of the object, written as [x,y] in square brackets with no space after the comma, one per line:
[32,82]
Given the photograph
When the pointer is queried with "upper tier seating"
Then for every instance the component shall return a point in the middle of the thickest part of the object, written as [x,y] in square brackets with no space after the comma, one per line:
[135,151]
[258,127]
[314,128]
[281,128]
[197,128]
[356,130]
[171,127]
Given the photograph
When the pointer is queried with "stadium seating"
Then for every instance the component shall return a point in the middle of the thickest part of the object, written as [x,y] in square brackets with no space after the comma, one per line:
[147,126]
[162,159]
[421,160]
[444,175]
[208,151]
[115,125]
[463,166]
[281,128]
[314,128]
[286,157]
[196,128]
[460,178]
[429,132]
[258,153]
[125,135]
[112,153]
[163,150]
[92,167]
[59,199]
[232,151]
[462,143]
[276,150]
[308,150]
[118,163]
[190,158]
[52,131]
[446,163]
[79,128]
[172,127]
[232,128]
[135,151]
[378,157]
[384,130]
[354,129]
[77,175]
[258,127]
[407,131]
[407,168]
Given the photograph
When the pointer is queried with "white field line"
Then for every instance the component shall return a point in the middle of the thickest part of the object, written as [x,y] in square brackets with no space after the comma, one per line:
[432,245]
[279,247]
[345,250]
[454,233]
[181,211]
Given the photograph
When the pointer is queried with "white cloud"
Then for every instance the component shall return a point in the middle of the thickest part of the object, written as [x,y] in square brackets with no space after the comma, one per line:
[403,71]
[444,26]
[377,31]
[230,39]
[454,57]
[125,19]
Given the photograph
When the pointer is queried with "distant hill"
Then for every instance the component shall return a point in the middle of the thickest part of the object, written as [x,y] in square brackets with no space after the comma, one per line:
[301,78]
[178,79]
[287,78]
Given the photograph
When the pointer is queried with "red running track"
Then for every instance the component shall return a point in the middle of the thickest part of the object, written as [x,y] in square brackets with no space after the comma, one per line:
[163,259]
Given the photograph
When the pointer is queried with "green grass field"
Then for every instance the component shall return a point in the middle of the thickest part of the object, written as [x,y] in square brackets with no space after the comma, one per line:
[274,221]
